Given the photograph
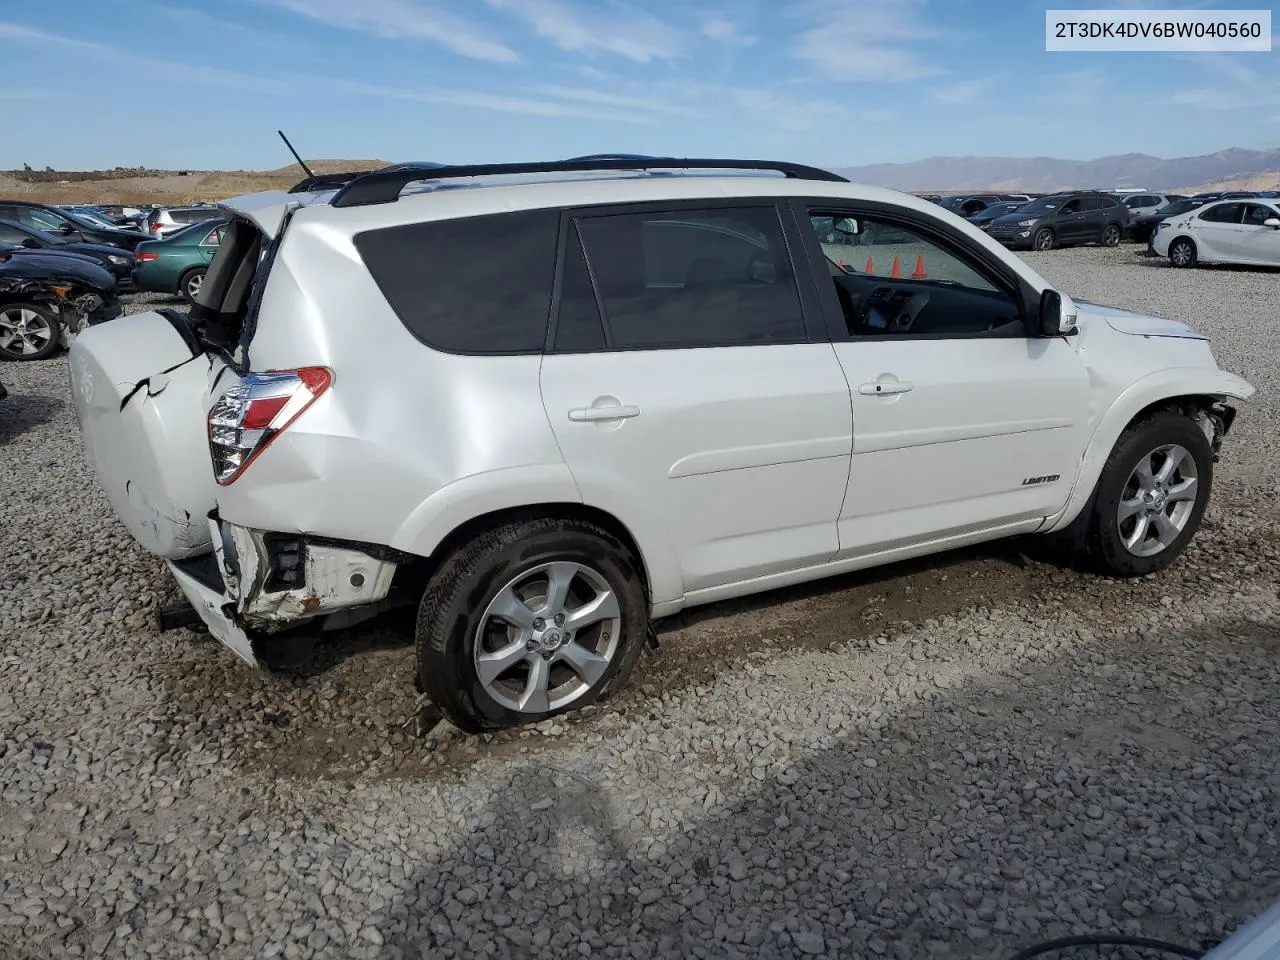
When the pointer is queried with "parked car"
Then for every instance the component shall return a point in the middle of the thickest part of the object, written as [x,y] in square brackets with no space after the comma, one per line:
[177,264]
[1227,231]
[102,218]
[1062,220]
[966,206]
[119,261]
[547,412]
[68,226]
[162,221]
[993,211]
[47,299]
[1144,203]
[1144,225]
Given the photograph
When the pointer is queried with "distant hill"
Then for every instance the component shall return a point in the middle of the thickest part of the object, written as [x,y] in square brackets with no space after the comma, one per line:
[1046,173]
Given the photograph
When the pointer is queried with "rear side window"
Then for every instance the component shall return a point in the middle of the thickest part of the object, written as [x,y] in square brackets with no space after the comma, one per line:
[477,285]
[693,278]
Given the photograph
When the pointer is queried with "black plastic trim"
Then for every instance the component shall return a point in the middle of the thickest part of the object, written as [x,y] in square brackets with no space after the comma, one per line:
[384,186]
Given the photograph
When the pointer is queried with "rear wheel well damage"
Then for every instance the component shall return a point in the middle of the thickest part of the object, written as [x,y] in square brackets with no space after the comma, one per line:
[424,568]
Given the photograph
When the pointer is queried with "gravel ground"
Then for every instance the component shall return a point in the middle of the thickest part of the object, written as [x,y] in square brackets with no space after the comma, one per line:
[954,757]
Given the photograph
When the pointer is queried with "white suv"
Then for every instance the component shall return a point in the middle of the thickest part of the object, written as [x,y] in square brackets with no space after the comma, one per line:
[548,402]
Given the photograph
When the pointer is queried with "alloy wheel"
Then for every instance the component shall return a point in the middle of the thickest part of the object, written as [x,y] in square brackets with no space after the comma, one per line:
[1158,500]
[24,332]
[548,637]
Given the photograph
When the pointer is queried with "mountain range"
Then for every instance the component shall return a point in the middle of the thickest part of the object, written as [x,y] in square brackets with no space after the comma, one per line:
[1042,174]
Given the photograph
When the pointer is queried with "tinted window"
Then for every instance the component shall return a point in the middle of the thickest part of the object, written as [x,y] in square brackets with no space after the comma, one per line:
[1224,213]
[190,216]
[43,219]
[898,282]
[578,324]
[694,278]
[1138,203]
[1097,203]
[1071,206]
[11,235]
[473,285]
[1256,214]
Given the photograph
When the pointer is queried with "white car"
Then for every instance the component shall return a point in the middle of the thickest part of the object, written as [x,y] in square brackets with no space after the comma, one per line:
[1229,231]
[546,403]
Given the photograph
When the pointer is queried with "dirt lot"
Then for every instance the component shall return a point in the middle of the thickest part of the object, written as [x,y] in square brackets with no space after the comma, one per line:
[952,758]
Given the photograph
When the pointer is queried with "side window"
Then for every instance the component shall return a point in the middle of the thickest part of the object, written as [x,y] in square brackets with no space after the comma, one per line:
[470,285]
[1099,203]
[42,219]
[1224,213]
[213,237]
[693,278]
[1071,206]
[1256,215]
[11,235]
[892,280]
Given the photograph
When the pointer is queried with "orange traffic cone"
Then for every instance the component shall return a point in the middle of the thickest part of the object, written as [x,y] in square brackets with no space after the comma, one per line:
[896,270]
[871,265]
[918,273]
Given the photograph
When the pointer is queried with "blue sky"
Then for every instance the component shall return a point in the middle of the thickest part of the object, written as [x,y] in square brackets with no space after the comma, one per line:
[175,83]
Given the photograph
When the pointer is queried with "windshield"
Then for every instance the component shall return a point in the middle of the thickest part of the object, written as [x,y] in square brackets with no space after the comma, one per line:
[953,203]
[1178,206]
[1000,209]
[1043,205]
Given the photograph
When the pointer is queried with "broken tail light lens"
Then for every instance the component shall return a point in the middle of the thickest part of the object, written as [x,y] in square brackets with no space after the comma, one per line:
[248,416]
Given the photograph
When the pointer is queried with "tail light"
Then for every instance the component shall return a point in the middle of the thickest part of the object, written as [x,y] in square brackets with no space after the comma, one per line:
[157,227]
[245,419]
[146,256]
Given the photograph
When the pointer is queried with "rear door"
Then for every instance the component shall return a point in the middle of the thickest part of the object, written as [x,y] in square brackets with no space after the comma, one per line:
[1095,214]
[691,387]
[962,422]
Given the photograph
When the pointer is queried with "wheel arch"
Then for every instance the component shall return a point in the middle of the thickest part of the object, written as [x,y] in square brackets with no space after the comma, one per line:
[464,509]
[1194,392]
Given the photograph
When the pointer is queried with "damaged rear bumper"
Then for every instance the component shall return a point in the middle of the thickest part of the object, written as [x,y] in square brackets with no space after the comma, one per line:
[276,581]
[258,587]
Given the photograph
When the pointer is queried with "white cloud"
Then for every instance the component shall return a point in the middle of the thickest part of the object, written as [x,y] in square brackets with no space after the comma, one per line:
[156,70]
[591,95]
[724,30]
[613,27]
[481,100]
[865,40]
[963,91]
[405,19]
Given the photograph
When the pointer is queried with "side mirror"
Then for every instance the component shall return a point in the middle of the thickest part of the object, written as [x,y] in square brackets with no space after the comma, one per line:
[31,243]
[66,228]
[1272,222]
[1057,315]
[847,226]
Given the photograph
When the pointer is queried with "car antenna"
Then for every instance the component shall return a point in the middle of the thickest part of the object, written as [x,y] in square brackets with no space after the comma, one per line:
[301,162]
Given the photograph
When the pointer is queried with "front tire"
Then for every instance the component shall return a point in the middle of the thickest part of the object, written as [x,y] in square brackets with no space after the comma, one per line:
[190,284]
[1111,236]
[528,621]
[1043,240]
[1182,253]
[1151,496]
[28,331]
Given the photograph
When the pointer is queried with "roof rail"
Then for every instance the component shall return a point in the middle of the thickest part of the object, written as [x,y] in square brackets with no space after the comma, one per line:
[323,181]
[384,186]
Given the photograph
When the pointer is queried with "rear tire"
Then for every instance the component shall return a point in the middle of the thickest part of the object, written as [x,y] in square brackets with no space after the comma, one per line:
[497,642]
[1137,526]
[190,283]
[28,331]
[1043,239]
[1111,236]
[1182,253]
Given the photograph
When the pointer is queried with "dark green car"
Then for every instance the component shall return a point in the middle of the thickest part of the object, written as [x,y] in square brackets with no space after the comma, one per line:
[177,263]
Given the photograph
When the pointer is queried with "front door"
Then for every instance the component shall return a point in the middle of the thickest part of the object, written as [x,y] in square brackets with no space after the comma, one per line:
[688,395]
[1217,230]
[1255,242]
[962,422]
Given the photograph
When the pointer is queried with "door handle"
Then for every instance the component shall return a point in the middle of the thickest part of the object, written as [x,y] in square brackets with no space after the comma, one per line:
[599,414]
[878,389]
